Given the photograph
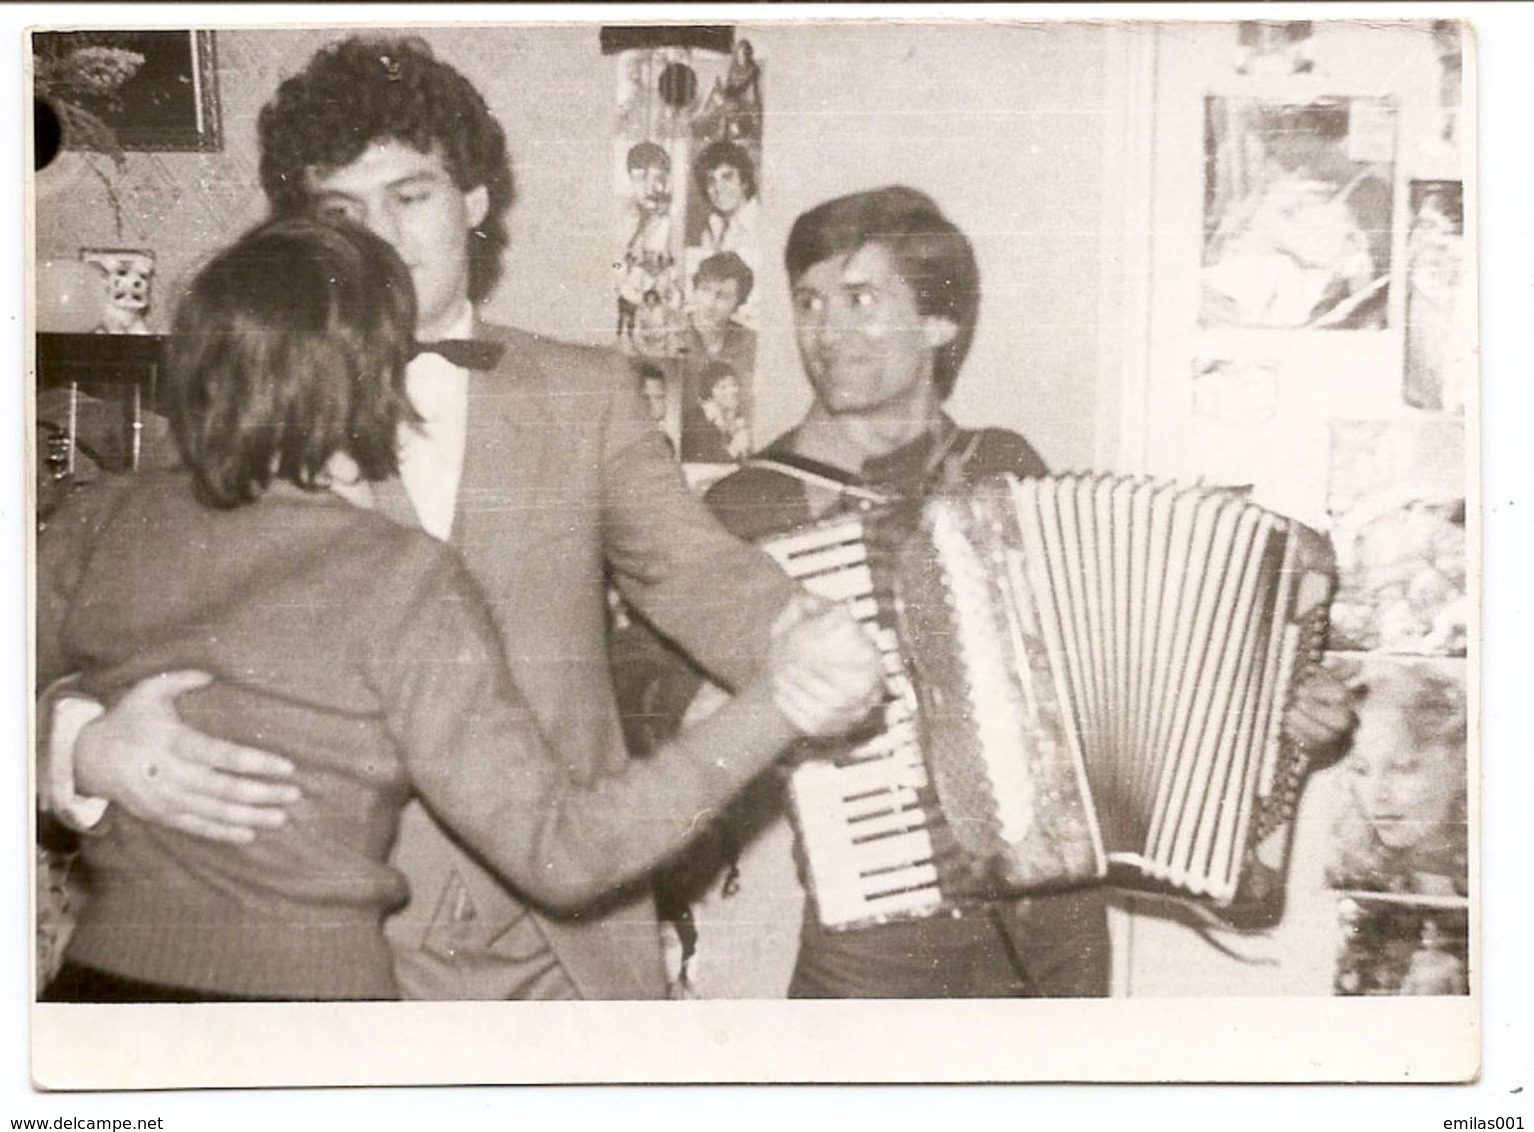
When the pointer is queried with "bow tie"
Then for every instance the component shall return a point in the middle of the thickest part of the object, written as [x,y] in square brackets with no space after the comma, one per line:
[466,353]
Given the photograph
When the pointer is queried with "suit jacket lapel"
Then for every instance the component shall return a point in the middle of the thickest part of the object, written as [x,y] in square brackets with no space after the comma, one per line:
[506,441]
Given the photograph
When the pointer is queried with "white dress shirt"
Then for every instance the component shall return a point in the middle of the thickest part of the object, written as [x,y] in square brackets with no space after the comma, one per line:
[431,455]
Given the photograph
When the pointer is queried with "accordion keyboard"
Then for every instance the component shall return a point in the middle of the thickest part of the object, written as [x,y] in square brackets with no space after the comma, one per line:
[862,818]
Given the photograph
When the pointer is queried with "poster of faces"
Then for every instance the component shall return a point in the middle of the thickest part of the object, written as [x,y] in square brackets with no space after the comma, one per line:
[686,158]
[1297,213]
[1397,501]
[1401,824]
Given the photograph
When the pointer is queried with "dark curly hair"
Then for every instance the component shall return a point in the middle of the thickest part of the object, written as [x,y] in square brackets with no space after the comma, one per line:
[728,153]
[269,382]
[365,89]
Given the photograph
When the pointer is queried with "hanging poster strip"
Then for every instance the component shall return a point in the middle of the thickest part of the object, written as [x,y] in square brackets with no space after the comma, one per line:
[686,157]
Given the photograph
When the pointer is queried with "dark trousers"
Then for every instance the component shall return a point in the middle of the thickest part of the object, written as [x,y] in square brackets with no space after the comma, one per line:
[1052,946]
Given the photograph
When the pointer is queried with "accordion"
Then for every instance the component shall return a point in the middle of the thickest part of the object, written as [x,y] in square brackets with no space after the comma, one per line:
[1086,681]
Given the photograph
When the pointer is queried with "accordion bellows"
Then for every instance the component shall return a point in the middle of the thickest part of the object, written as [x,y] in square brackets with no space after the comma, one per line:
[1088,679]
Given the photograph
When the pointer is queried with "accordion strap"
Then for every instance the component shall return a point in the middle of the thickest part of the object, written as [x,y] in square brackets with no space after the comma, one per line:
[944,470]
[815,479]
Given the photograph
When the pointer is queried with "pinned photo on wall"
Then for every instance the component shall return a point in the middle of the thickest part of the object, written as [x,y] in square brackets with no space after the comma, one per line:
[727,135]
[1449,51]
[715,341]
[723,210]
[658,94]
[1267,47]
[1401,825]
[659,390]
[1397,500]
[647,278]
[732,109]
[1297,213]
[723,256]
[1235,391]
[1440,331]
[1391,947]
[714,425]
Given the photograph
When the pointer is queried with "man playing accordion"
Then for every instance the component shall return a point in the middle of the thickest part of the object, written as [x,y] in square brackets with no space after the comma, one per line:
[885,297]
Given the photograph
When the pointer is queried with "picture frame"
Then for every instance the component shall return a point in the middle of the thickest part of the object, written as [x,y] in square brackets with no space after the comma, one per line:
[165,99]
[1298,204]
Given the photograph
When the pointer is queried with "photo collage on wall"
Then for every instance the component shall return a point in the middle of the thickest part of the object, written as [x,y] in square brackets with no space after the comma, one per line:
[1399,851]
[686,159]
[1327,213]
[1401,620]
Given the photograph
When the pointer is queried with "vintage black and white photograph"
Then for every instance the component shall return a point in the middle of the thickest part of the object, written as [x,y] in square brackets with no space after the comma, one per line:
[689,140]
[550,530]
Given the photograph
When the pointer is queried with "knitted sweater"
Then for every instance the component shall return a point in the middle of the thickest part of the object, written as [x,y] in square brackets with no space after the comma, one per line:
[361,651]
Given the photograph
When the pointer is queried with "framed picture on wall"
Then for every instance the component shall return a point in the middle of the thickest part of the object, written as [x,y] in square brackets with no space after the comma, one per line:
[1297,213]
[130,90]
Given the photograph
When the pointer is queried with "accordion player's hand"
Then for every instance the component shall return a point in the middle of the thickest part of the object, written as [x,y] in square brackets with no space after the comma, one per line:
[825,674]
[1320,717]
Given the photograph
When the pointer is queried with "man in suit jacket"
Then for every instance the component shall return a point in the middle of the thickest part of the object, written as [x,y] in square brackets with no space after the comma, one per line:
[542,468]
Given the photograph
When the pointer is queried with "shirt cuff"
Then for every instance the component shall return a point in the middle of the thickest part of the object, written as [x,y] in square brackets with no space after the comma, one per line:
[70,715]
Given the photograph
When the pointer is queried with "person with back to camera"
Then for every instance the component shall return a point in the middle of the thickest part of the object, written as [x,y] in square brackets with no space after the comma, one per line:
[539,463]
[886,294]
[358,647]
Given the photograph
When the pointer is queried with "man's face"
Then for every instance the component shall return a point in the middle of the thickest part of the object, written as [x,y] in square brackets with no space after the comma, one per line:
[654,390]
[714,301]
[726,188]
[651,186]
[409,199]
[864,346]
[726,395]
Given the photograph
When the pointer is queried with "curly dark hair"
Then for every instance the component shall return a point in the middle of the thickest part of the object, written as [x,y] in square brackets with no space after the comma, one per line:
[365,89]
[269,382]
[728,153]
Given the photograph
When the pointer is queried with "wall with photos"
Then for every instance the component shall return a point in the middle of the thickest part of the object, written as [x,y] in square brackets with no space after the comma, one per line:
[1314,332]
[850,106]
